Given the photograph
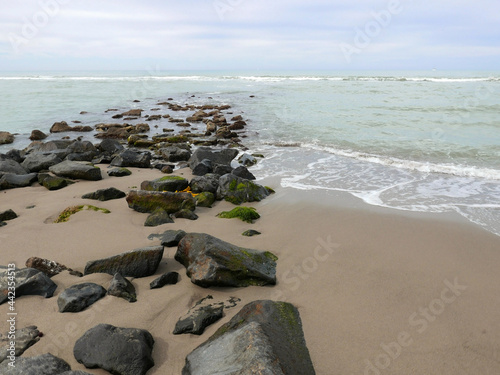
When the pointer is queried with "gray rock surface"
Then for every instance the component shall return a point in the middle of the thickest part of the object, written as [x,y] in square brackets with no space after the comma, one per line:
[158,217]
[7,215]
[24,338]
[150,201]
[37,161]
[77,170]
[199,317]
[119,172]
[13,181]
[169,278]
[11,166]
[29,281]
[78,297]
[131,158]
[45,364]
[121,287]
[222,157]
[209,182]
[105,194]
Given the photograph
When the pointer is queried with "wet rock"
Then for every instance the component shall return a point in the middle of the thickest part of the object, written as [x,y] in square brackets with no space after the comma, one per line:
[205,199]
[210,261]
[149,201]
[247,160]
[78,297]
[37,135]
[250,233]
[54,183]
[12,167]
[221,170]
[110,146]
[121,351]
[264,337]
[208,182]
[121,287]
[25,338]
[199,317]
[136,263]
[60,127]
[237,190]
[167,183]
[13,181]
[16,155]
[36,162]
[222,157]
[77,170]
[203,167]
[243,172]
[7,215]
[158,217]
[74,373]
[29,281]
[119,172]
[130,158]
[133,112]
[45,364]
[105,194]
[169,278]
[6,138]
[174,154]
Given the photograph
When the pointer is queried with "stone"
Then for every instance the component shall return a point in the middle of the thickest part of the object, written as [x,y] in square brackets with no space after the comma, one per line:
[237,190]
[79,147]
[6,138]
[7,215]
[169,278]
[169,238]
[121,287]
[174,154]
[222,157]
[29,281]
[158,217]
[136,263]
[45,364]
[130,158]
[208,182]
[133,112]
[121,351]
[265,337]
[55,183]
[77,170]
[205,199]
[78,297]
[250,233]
[149,201]
[36,162]
[12,167]
[60,127]
[110,146]
[48,267]
[25,338]
[221,170]
[203,167]
[13,181]
[119,172]
[185,214]
[247,160]
[16,155]
[105,194]
[167,183]
[210,261]
[74,373]
[37,135]
[243,172]
[199,317]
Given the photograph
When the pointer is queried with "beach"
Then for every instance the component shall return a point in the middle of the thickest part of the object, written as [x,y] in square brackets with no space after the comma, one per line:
[379,291]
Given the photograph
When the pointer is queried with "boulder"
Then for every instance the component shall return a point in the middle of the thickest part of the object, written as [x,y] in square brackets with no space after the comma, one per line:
[149,201]
[158,217]
[222,157]
[199,317]
[130,158]
[36,162]
[48,267]
[133,113]
[74,373]
[29,281]
[205,199]
[45,364]
[247,160]
[7,215]
[79,147]
[37,135]
[119,172]
[167,183]
[54,183]
[265,337]
[136,263]
[77,170]
[174,154]
[105,194]
[6,138]
[237,190]
[169,278]
[169,238]
[12,167]
[221,170]
[243,172]
[121,287]
[13,181]
[78,297]
[25,338]
[203,167]
[110,146]
[16,155]
[121,351]
[210,261]
[60,127]
[250,233]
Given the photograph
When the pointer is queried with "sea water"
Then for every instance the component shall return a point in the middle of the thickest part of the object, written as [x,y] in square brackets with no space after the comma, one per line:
[418,141]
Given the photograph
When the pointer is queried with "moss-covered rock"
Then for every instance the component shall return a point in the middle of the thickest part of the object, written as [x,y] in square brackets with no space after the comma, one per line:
[237,190]
[119,172]
[66,214]
[158,217]
[167,183]
[55,183]
[149,201]
[250,233]
[246,214]
[205,199]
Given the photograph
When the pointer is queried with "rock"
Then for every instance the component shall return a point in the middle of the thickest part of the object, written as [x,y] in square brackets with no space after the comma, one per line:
[13,181]
[121,287]
[243,172]
[45,364]
[237,118]
[158,217]
[25,338]
[174,154]
[210,261]
[250,233]
[149,201]
[56,146]
[133,112]
[209,182]
[113,133]
[77,170]
[37,135]
[136,263]
[48,267]
[105,194]
[185,214]
[246,214]
[265,337]
[54,183]
[167,183]
[237,190]
[78,297]
[167,169]
[121,351]
[222,157]
[238,125]
[247,160]
[60,127]
[74,373]
[169,278]
[119,172]
[12,167]
[28,282]
[200,316]
[7,215]
[205,199]
[169,238]
[203,167]
[110,146]
[2,224]
[221,170]
[130,158]
[6,138]
[16,155]
[80,147]
[37,162]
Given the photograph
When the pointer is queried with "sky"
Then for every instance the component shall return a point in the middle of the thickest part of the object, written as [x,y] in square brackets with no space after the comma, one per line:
[256,35]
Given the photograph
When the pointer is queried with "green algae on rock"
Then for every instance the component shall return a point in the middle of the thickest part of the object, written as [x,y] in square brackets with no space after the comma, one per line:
[66,214]
[246,214]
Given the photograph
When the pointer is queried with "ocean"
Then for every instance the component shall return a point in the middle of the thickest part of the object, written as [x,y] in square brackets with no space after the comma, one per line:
[416,141]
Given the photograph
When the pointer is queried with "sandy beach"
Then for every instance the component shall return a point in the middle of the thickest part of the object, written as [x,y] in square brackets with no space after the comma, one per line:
[379,291]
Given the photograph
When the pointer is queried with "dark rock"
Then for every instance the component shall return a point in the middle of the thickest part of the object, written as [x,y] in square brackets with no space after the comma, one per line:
[121,287]
[174,154]
[136,263]
[167,183]
[119,172]
[205,199]
[250,233]
[158,217]
[105,194]
[74,373]
[169,278]
[84,156]
[185,214]
[149,201]
[133,112]
[48,267]
[222,157]
[221,170]
[78,297]
[130,158]
[199,317]
[81,147]
[60,127]
[6,138]
[243,172]
[25,338]
[13,181]
[209,182]
[28,282]
[121,351]
[77,170]
[16,155]
[45,364]
[2,224]
[54,183]
[203,167]
[247,160]
[237,190]
[264,337]
[238,125]
[113,133]
[110,146]
[36,162]
[37,135]
[169,238]
[8,215]
[210,261]
[237,118]
[12,167]
[167,169]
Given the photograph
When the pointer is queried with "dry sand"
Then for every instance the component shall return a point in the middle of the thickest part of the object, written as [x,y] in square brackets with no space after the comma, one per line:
[363,278]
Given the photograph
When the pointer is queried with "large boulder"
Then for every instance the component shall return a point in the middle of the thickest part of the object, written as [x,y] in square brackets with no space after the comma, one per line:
[78,297]
[12,167]
[77,170]
[210,261]
[8,215]
[25,338]
[209,182]
[167,183]
[6,138]
[105,194]
[136,263]
[45,364]
[150,201]
[121,351]
[174,154]
[237,190]
[36,162]
[130,158]
[222,157]
[265,337]
[13,181]
[29,281]
[110,146]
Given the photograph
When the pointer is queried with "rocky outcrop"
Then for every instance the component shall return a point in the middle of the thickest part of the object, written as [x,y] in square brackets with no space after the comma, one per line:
[169,278]
[6,138]
[45,364]
[237,190]
[105,194]
[121,351]
[150,201]
[264,337]
[77,170]
[122,288]
[25,338]
[61,127]
[136,263]
[28,282]
[78,297]
[167,183]
[210,261]
[130,158]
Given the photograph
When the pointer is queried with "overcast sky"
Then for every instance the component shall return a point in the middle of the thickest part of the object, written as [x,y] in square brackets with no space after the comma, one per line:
[249,35]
